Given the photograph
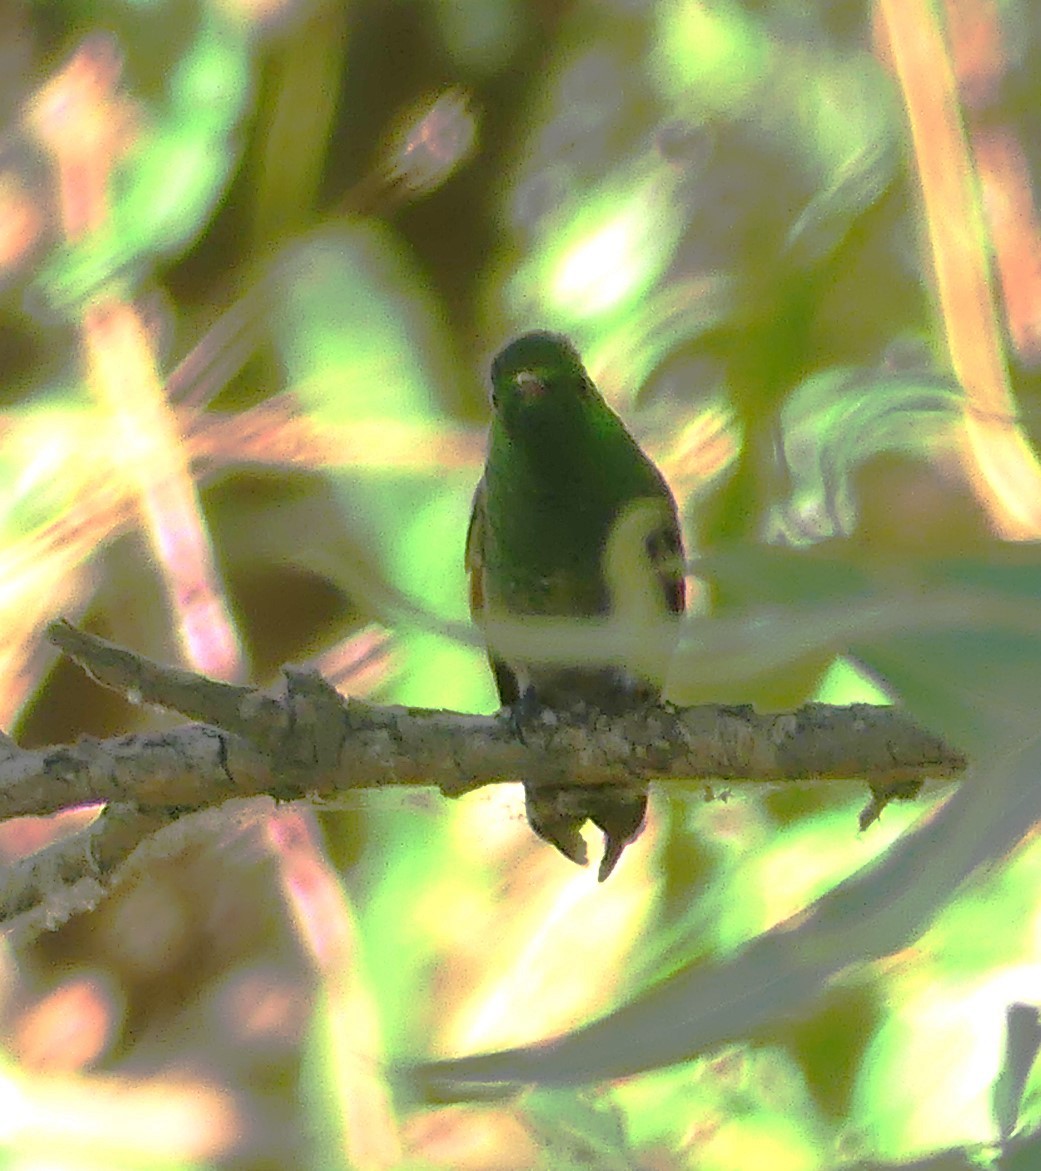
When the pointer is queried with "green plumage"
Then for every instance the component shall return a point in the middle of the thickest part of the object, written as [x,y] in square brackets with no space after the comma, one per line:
[563,484]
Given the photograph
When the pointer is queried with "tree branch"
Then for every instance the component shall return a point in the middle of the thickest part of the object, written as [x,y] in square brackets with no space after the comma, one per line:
[40,892]
[312,742]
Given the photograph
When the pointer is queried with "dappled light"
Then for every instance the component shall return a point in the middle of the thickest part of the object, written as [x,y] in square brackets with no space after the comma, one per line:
[256,259]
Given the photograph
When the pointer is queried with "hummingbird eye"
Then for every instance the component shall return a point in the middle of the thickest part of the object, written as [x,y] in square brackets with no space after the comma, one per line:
[530,384]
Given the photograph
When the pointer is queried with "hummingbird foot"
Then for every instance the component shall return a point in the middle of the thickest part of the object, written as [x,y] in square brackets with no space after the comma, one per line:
[525,711]
[620,814]
[553,817]
[557,814]
[553,814]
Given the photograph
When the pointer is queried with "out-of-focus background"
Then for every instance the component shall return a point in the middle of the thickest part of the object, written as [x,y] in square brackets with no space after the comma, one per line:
[255,257]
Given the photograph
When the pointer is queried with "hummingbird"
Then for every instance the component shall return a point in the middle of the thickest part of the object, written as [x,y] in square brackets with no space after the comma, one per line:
[571,520]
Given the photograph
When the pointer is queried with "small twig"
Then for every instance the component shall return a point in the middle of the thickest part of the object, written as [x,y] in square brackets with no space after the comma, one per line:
[143,681]
[72,875]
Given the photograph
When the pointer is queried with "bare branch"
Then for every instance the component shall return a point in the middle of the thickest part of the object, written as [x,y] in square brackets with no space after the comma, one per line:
[315,741]
[73,875]
[312,742]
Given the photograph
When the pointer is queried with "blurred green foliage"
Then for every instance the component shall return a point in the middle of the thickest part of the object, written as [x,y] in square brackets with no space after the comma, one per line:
[331,215]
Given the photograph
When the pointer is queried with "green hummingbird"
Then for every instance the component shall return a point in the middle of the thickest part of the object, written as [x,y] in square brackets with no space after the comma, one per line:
[571,520]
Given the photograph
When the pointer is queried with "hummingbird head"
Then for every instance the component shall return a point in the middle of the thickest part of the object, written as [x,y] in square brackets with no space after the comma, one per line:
[538,381]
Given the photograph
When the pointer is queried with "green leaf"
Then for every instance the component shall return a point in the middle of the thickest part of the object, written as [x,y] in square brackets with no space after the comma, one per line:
[989,695]
[578,1130]
[1022,1042]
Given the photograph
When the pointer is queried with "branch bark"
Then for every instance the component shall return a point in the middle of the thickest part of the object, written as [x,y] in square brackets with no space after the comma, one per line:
[312,742]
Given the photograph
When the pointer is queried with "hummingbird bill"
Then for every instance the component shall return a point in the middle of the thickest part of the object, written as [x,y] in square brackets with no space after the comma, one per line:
[571,519]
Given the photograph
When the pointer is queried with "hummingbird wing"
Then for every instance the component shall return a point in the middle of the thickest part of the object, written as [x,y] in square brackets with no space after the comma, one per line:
[561,830]
[665,549]
[473,560]
[644,567]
